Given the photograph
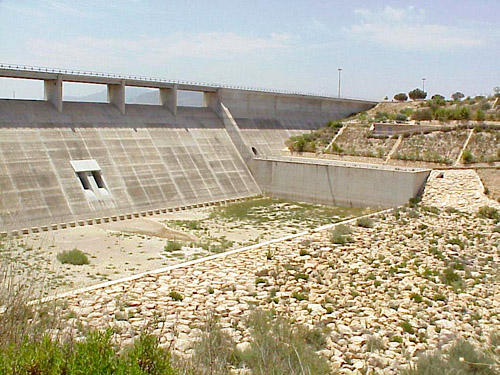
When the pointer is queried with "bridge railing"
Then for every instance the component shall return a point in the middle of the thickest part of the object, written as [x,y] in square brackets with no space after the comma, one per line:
[89,73]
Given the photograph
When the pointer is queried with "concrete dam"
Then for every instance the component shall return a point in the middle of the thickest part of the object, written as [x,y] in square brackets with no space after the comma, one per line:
[72,163]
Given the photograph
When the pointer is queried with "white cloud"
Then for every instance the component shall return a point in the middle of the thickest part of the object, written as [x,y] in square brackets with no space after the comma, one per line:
[90,51]
[405,28]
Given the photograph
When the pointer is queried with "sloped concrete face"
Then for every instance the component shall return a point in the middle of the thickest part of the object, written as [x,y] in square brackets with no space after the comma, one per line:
[267,120]
[148,159]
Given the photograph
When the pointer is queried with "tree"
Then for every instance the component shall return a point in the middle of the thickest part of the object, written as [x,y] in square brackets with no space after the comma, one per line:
[401,97]
[417,94]
[457,96]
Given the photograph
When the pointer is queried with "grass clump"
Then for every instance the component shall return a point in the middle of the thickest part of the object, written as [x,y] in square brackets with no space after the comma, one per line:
[173,246]
[277,347]
[364,222]
[340,234]
[487,212]
[75,257]
[406,326]
[462,358]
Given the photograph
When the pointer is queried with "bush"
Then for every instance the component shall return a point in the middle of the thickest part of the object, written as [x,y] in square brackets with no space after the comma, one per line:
[400,117]
[422,115]
[438,99]
[173,246]
[94,355]
[401,97]
[75,257]
[417,94]
[339,234]
[462,358]
[277,347]
[364,222]
[479,115]
[176,296]
[457,96]
[487,212]
[462,113]
[215,352]
[467,157]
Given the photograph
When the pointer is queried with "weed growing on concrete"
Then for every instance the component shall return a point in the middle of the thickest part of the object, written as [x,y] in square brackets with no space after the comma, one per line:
[75,257]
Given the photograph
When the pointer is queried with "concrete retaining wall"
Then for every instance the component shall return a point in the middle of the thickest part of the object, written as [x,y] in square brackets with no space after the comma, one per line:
[337,183]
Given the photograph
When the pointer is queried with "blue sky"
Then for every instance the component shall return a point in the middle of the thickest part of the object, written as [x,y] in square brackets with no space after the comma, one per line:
[383,47]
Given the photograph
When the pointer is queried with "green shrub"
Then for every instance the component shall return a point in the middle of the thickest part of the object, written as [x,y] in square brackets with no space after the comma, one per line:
[487,212]
[406,326]
[214,353]
[277,347]
[94,355]
[439,297]
[173,246]
[422,115]
[339,235]
[401,97]
[467,157]
[462,358]
[299,296]
[75,257]
[417,94]
[176,296]
[416,297]
[364,222]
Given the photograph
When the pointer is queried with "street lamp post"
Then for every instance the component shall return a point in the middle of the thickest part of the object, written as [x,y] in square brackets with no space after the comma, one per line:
[340,70]
[423,84]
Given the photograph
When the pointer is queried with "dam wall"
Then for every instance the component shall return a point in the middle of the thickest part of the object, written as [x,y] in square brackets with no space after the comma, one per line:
[338,183]
[267,120]
[144,160]
[72,163]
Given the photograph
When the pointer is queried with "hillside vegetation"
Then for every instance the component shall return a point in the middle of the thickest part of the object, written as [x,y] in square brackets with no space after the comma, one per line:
[445,129]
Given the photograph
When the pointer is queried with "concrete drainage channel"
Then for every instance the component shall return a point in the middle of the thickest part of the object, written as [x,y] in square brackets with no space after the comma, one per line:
[208,258]
[121,217]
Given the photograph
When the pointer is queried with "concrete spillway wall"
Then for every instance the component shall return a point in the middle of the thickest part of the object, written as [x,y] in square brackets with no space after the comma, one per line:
[147,159]
[338,183]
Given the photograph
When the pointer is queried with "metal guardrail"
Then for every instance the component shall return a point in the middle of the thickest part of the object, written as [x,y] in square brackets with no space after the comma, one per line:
[88,73]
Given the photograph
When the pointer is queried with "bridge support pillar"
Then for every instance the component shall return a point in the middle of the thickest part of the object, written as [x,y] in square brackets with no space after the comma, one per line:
[212,100]
[116,95]
[168,99]
[53,92]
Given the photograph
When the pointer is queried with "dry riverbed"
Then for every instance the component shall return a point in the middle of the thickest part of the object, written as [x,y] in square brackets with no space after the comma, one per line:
[120,249]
